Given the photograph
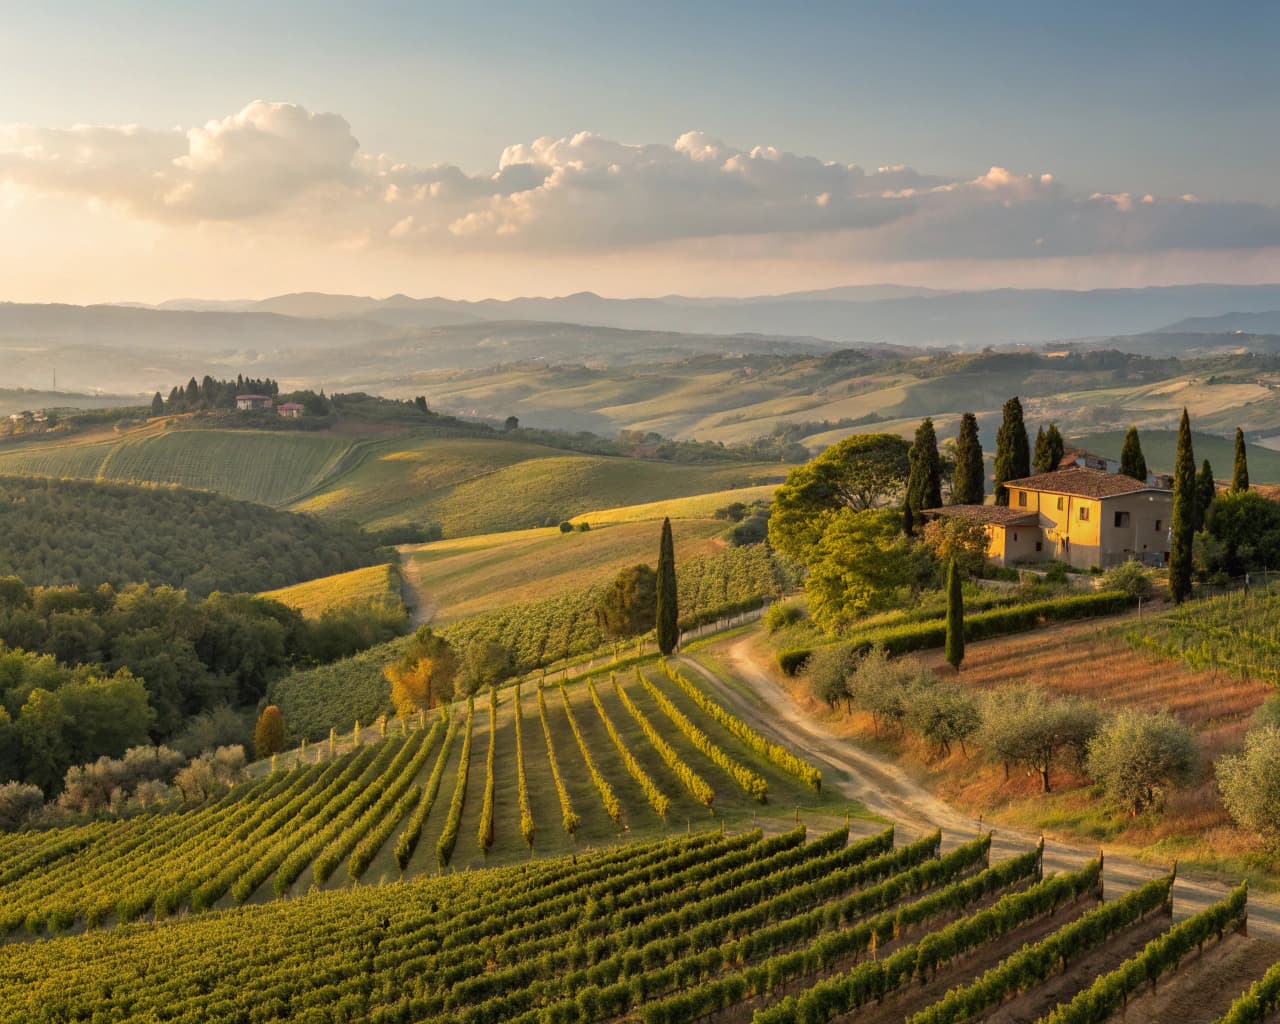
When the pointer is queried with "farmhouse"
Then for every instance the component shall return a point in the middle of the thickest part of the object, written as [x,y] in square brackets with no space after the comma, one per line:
[290,410]
[1085,517]
[253,402]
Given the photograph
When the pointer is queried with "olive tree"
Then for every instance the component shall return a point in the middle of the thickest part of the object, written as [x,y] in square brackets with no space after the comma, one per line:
[1030,727]
[1250,783]
[829,670]
[1138,757]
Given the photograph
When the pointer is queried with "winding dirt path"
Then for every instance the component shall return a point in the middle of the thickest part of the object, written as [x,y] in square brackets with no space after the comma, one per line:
[885,789]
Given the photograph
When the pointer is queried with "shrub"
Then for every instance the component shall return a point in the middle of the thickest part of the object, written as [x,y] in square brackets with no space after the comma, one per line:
[1138,757]
[18,803]
[1250,783]
[943,713]
[566,527]
[1130,578]
[793,659]
[782,614]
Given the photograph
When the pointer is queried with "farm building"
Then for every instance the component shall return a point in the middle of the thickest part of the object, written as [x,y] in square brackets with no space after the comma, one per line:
[290,410]
[253,402]
[1084,517]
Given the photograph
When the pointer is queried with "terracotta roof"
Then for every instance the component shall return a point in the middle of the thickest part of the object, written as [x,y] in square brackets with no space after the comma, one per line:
[1084,483]
[995,515]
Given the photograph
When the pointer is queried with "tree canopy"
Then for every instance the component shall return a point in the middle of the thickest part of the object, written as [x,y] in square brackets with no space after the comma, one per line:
[924,477]
[629,606]
[858,473]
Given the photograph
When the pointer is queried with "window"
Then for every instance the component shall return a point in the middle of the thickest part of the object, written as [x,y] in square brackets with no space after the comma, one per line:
[1158,525]
[1015,534]
[1022,498]
[1039,545]
[1084,513]
[1059,503]
[1122,518]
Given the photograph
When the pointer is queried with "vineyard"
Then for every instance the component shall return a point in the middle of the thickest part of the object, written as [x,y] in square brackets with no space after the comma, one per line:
[536,633]
[581,765]
[1237,633]
[267,467]
[780,928]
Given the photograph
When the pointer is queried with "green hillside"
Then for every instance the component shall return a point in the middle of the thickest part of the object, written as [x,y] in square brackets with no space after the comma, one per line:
[86,533]
[267,467]
[1159,447]
[471,486]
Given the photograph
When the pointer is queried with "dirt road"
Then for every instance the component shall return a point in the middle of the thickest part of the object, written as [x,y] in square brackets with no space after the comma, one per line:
[886,790]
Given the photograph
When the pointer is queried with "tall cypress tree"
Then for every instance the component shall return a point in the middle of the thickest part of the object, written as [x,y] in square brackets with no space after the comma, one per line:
[955,617]
[1057,447]
[1206,491]
[1240,468]
[924,481]
[968,485]
[1132,462]
[157,404]
[1040,455]
[668,616]
[1184,510]
[1013,450]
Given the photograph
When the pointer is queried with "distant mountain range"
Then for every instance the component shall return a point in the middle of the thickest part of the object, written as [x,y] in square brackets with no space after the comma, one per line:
[890,314]
[349,339]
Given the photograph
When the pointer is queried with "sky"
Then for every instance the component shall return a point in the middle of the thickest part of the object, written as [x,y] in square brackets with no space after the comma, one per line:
[229,150]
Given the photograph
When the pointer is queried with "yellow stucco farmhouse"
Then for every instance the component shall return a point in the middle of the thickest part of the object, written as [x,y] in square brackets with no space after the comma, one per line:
[1082,516]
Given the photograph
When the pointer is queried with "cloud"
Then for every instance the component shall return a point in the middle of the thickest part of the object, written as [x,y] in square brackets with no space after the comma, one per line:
[280,167]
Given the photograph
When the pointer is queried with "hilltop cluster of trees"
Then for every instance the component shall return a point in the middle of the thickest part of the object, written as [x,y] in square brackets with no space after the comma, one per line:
[83,533]
[210,393]
[85,673]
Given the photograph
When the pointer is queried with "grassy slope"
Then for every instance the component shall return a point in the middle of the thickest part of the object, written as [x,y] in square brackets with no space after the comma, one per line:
[314,597]
[267,467]
[472,486]
[477,574]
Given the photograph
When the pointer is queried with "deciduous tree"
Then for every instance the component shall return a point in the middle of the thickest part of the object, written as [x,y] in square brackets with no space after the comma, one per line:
[629,606]
[268,735]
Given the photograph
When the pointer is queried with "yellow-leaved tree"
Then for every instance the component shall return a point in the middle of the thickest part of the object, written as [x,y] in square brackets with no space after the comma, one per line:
[424,675]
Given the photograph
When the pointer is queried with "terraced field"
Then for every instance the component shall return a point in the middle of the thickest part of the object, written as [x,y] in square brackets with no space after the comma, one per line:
[314,597]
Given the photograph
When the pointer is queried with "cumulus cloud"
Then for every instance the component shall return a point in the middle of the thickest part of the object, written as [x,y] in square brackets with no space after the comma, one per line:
[281,164]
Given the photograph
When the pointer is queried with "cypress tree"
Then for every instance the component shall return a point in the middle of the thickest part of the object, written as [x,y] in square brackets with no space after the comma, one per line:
[955,617]
[668,616]
[1040,459]
[1013,450]
[1240,468]
[1184,510]
[1132,462]
[157,404]
[968,485]
[1057,447]
[1206,491]
[924,481]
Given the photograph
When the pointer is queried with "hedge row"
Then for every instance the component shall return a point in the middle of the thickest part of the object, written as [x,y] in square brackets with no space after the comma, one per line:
[1162,954]
[921,636]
